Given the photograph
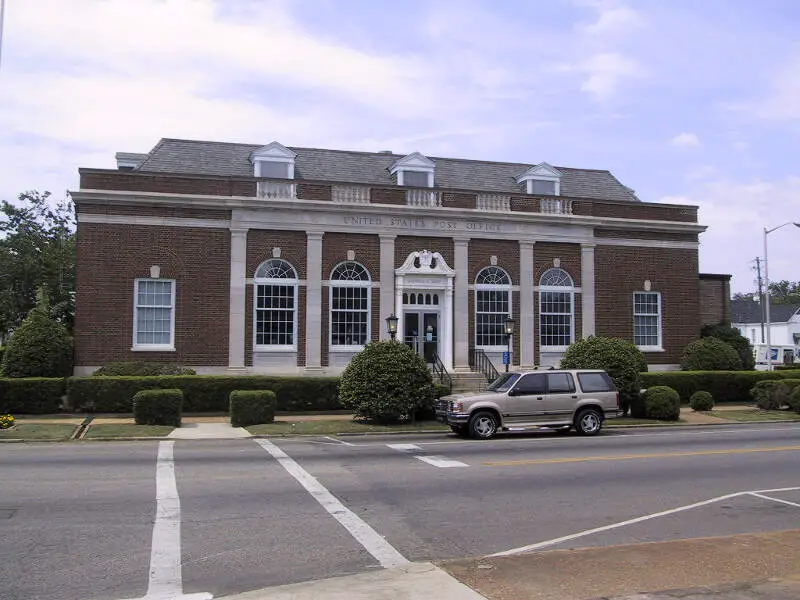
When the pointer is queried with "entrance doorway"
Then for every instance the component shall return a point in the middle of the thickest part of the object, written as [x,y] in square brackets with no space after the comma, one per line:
[421,333]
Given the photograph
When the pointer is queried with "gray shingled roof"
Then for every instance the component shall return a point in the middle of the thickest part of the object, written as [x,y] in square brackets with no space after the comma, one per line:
[749,311]
[221,158]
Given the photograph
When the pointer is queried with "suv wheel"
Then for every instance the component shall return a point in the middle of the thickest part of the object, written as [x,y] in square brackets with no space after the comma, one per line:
[588,422]
[483,425]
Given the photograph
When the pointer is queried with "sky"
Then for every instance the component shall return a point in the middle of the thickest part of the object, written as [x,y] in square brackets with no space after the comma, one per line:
[685,101]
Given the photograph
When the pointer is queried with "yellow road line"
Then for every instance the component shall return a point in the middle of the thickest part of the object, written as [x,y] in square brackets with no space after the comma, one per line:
[552,461]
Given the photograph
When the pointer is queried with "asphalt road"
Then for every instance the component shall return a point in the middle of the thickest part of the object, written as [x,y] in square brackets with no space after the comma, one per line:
[77,519]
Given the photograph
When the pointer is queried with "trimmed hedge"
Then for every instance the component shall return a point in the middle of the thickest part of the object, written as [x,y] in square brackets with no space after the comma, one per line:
[661,402]
[252,407]
[789,367]
[701,400]
[141,368]
[33,395]
[203,393]
[794,400]
[724,386]
[158,407]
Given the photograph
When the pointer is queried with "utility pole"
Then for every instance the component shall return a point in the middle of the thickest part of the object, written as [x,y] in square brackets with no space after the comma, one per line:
[760,296]
[2,14]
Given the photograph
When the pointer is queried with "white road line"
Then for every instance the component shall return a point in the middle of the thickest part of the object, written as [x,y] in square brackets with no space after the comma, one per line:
[365,535]
[641,519]
[327,437]
[441,461]
[166,579]
[404,447]
[757,495]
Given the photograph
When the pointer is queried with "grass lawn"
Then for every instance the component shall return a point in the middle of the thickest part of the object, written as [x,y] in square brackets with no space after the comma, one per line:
[333,427]
[124,430]
[39,431]
[755,414]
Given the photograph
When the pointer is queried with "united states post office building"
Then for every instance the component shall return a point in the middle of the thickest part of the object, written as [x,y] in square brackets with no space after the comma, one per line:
[234,258]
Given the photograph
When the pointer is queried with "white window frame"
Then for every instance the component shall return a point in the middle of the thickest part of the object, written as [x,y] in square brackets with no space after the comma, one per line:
[401,176]
[561,289]
[493,287]
[138,347]
[659,317]
[282,281]
[349,283]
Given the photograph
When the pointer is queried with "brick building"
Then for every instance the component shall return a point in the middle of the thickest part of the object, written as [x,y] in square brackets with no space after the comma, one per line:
[270,259]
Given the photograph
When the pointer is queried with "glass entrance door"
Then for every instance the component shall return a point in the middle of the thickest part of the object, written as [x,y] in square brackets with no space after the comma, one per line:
[421,333]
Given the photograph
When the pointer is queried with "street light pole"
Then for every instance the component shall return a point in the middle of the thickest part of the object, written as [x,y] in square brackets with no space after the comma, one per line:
[766,291]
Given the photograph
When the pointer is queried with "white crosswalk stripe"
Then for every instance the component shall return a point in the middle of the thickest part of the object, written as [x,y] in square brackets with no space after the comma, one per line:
[441,462]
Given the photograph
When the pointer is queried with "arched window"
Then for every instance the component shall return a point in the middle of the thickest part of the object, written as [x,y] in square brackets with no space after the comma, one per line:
[556,310]
[492,307]
[275,305]
[350,305]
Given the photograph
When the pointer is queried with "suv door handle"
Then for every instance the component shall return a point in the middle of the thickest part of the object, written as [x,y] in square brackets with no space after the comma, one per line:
[574,397]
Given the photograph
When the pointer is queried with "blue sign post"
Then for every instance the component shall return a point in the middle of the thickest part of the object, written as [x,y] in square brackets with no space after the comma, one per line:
[506,358]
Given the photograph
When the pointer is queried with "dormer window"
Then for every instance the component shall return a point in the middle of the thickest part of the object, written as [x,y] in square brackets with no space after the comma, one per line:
[414,170]
[274,161]
[541,180]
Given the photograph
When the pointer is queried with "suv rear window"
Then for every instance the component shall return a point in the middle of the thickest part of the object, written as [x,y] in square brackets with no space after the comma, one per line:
[596,382]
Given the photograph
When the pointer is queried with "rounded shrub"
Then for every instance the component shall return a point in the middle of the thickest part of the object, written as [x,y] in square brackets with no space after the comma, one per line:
[662,402]
[794,400]
[621,359]
[40,347]
[732,337]
[701,400]
[771,394]
[386,382]
[710,354]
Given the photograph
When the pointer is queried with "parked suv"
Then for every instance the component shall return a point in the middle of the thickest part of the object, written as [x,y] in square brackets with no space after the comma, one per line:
[559,399]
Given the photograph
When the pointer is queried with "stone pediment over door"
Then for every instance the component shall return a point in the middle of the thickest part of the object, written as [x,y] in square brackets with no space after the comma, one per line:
[424,263]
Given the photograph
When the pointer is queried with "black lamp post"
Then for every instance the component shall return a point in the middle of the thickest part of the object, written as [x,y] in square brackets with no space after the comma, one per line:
[391,325]
[509,323]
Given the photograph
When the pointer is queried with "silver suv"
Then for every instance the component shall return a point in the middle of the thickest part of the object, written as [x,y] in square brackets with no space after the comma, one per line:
[560,399]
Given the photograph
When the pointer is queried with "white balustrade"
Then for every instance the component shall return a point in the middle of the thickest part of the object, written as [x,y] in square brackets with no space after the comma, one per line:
[277,190]
[350,194]
[424,198]
[556,206]
[493,202]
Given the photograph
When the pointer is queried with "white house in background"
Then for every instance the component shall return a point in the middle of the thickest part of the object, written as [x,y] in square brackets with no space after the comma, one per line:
[747,317]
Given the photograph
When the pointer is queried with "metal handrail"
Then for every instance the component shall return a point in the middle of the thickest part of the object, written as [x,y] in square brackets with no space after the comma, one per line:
[440,371]
[480,362]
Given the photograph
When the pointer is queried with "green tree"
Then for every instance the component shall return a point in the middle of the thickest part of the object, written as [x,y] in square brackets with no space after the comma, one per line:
[710,354]
[37,249]
[784,292]
[732,337]
[39,347]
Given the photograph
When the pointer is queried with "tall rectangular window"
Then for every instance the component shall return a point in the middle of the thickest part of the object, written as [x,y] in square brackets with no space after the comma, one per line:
[647,319]
[154,314]
[275,314]
[491,309]
[555,316]
[349,315]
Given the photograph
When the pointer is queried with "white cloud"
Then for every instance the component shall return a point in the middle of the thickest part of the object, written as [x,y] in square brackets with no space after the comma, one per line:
[736,213]
[782,101]
[604,72]
[612,19]
[685,140]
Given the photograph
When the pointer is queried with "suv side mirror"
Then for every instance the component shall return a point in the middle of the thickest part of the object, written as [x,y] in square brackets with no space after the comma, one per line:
[513,392]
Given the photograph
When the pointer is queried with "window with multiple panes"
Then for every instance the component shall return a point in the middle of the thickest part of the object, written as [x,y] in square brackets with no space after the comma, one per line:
[350,305]
[492,307]
[542,187]
[556,309]
[647,319]
[275,305]
[154,314]
[415,178]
